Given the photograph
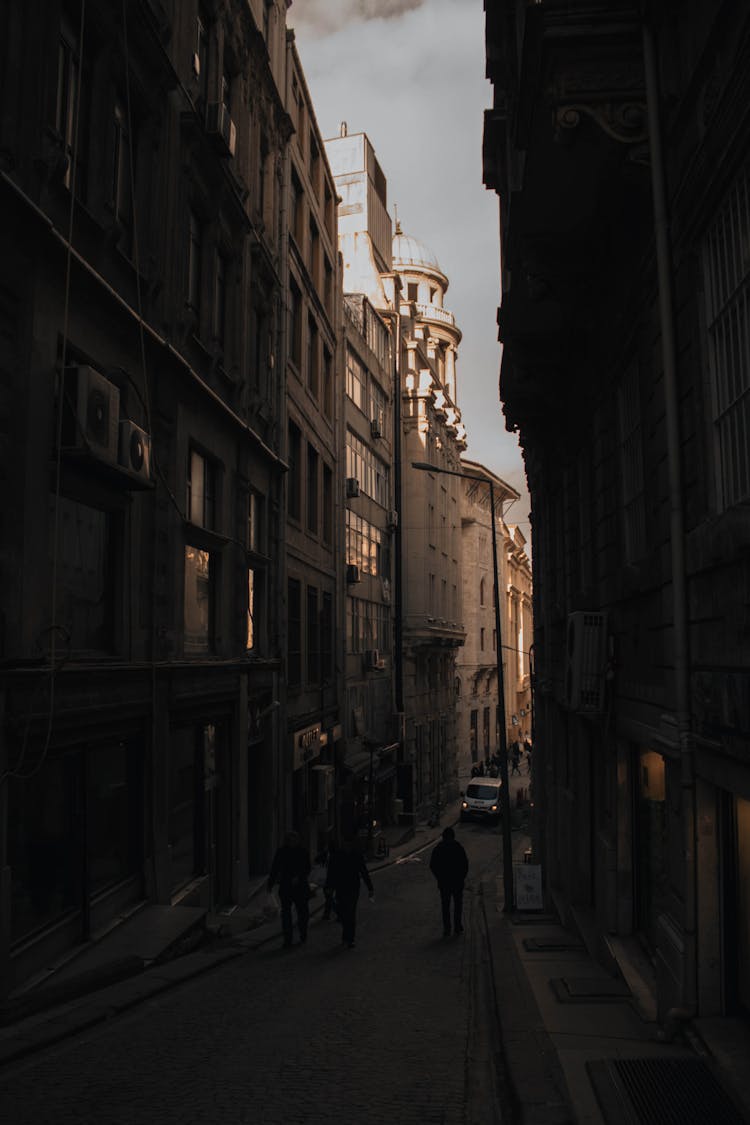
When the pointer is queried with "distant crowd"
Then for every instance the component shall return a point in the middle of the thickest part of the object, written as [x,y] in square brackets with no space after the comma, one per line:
[519,750]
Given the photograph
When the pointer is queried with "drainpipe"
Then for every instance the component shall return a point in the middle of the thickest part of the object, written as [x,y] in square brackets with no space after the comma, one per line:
[676,516]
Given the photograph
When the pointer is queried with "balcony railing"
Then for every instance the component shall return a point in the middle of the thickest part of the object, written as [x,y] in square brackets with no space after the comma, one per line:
[434,312]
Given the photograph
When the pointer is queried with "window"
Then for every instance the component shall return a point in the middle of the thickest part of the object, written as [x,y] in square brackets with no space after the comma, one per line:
[120,194]
[328,286]
[295,324]
[327,383]
[378,404]
[313,636]
[259,325]
[727,268]
[294,486]
[294,639]
[201,490]
[201,52]
[313,373]
[296,218]
[263,175]
[195,254]
[631,465]
[411,290]
[481,639]
[73,98]
[198,601]
[326,639]
[328,210]
[314,163]
[356,380]
[312,489]
[251,609]
[256,537]
[327,505]
[473,720]
[220,301]
[481,591]
[85,575]
[314,254]
[372,473]
[486,730]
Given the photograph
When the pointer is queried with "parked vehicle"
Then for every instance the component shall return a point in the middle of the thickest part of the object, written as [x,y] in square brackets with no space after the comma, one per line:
[481,801]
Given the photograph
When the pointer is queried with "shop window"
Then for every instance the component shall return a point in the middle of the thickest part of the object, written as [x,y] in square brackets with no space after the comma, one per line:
[86,553]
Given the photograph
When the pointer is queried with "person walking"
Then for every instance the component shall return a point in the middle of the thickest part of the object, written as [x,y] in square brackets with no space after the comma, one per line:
[450,864]
[515,757]
[290,869]
[346,870]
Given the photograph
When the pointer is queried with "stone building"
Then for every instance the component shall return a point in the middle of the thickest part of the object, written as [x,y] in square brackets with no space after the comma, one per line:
[141,154]
[314,513]
[625,370]
[432,434]
[368,769]
[478,709]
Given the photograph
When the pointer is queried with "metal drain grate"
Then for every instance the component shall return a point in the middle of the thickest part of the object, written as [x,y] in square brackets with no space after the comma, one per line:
[653,1091]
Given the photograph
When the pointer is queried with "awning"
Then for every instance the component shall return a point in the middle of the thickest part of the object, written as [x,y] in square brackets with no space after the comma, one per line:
[357,761]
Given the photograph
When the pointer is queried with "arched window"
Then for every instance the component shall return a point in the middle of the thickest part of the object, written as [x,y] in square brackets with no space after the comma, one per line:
[481,591]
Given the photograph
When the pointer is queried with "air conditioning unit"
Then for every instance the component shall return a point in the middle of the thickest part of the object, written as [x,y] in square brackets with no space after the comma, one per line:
[91,414]
[352,487]
[352,573]
[585,674]
[391,519]
[135,451]
[373,660]
[221,128]
[377,425]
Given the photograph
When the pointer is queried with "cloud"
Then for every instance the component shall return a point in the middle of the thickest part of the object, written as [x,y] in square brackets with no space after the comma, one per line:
[324,17]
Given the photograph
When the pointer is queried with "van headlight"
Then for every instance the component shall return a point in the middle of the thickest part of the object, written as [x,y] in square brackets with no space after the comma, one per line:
[494,808]
[464,804]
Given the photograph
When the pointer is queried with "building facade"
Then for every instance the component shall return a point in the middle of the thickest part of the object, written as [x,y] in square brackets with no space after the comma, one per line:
[478,708]
[625,371]
[141,204]
[314,536]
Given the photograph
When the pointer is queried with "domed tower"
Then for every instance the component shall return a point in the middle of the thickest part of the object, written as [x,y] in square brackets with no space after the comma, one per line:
[433,438]
[424,286]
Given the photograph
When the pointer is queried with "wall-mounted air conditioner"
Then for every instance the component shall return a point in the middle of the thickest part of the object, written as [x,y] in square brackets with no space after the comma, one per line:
[221,128]
[352,487]
[352,573]
[377,425]
[391,519]
[135,451]
[586,667]
[91,414]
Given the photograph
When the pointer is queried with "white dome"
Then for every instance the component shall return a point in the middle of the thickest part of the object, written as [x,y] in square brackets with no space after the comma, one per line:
[409,252]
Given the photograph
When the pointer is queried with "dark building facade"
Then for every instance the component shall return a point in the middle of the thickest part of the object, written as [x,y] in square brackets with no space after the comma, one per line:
[618,143]
[141,166]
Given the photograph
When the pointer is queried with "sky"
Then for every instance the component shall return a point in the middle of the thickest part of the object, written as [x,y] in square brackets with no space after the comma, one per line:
[410,74]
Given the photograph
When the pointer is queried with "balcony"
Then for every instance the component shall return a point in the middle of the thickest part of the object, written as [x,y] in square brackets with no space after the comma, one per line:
[434,312]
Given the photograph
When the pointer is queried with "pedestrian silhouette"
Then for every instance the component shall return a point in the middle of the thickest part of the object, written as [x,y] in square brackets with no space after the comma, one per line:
[346,869]
[449,864]
[515,757]
[290,869]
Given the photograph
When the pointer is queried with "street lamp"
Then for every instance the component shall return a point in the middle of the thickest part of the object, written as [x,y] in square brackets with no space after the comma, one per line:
[508,890]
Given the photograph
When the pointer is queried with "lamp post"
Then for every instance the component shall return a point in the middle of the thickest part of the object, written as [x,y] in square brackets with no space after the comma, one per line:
[508,891]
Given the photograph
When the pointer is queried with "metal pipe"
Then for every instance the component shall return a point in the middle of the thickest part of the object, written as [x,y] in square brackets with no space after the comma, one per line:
[676,516]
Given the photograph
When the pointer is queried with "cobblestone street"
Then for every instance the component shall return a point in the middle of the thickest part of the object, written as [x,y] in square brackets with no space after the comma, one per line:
[384,1032]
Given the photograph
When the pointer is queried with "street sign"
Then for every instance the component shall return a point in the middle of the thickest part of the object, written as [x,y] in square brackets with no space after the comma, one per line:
[527,881]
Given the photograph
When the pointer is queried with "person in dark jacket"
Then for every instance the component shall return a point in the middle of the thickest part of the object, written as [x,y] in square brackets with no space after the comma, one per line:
[290,869]
[346,869]
[449,864]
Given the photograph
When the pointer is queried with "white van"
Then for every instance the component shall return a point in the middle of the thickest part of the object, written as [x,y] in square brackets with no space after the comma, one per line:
[481,801]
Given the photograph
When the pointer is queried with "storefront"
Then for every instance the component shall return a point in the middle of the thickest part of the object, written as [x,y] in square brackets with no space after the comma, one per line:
[312,789]
[75,843]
